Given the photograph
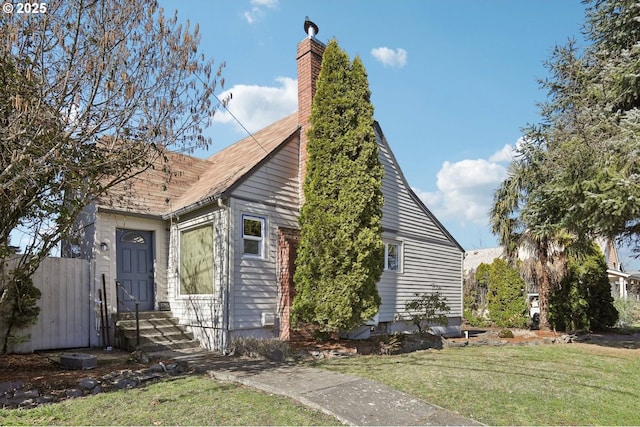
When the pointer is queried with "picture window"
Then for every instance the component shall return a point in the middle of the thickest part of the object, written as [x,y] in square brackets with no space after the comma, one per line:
[196,261]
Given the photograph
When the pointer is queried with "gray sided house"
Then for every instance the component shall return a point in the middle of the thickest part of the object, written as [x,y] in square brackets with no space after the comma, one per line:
[217,242]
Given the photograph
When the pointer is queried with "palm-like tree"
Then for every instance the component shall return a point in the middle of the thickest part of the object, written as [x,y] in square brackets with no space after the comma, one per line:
[516,220]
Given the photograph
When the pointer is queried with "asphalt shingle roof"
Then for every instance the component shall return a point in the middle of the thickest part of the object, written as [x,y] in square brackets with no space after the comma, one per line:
[234,162]
[185,182]
[152,191]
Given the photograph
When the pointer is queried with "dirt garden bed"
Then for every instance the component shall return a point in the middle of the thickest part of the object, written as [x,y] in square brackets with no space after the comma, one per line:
[44,372]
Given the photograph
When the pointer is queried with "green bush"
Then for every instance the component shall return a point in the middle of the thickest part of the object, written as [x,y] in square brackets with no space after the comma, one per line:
[472,319]
[583,301]
[505,333]
[428,309]
[474,295]
[507,306]
[628,312]
[18,307]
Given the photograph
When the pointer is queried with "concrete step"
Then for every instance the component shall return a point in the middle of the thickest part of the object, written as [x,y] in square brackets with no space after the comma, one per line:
[168,333]
[174,345]
[159,339]
[155,323]
[145,315]
[158,331]
[157,346]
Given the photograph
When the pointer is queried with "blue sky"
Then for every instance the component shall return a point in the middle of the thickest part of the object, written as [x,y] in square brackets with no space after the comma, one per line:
[453,82]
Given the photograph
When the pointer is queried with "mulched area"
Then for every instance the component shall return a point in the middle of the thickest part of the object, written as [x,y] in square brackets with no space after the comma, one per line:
[43,371]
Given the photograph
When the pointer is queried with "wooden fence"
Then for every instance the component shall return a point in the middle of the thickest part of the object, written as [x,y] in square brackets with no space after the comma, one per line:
[66,307]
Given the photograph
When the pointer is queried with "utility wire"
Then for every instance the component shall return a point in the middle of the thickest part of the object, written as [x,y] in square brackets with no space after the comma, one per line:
[234,118]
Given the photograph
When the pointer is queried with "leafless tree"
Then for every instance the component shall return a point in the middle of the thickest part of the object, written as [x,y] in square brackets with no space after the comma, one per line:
[93,93]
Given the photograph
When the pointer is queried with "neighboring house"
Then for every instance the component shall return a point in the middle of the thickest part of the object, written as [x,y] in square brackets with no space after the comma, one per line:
[475,257]
[623,284]
[217,242]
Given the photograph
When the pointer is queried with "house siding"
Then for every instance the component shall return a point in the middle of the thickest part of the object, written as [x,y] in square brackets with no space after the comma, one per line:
[431,259]
[84,241]
[402,213]
[276,181]
[271,192]
[254,287]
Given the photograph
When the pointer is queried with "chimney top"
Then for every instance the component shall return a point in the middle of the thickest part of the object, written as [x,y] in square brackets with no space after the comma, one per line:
[310,28]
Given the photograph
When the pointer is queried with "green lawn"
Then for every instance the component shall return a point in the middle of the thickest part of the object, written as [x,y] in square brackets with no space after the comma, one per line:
[574,384]
[196,400]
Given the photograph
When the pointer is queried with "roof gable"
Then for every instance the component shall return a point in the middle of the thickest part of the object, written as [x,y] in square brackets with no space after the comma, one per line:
[402,206]
[230,166]
[152,191]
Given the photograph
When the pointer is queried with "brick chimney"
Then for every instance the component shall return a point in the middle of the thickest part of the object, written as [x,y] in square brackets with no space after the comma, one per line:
[309,59]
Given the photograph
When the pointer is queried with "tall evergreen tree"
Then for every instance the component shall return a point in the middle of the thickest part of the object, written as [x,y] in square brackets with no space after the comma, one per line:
[585,180]
[591,126]
[340,255]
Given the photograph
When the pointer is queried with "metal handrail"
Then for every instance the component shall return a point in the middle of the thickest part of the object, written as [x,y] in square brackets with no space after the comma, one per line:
[137,312]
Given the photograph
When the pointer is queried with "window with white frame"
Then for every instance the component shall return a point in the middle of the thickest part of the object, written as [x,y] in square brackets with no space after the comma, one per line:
[253,233]
[392,256]
[196,260]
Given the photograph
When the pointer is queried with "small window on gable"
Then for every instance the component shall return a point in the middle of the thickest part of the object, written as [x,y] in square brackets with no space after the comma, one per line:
[132,237]
[253,232]
[393,256]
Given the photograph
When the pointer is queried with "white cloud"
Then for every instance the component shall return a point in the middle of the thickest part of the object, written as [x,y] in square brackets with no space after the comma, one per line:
[465,190]
[393,58]
[257,12]
[251,15]
[258,106]
[272,4]
[503,155]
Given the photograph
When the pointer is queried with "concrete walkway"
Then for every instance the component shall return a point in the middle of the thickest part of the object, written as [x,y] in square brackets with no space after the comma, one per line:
[352,400]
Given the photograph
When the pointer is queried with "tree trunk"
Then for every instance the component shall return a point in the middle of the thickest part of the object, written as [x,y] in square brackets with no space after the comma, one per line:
[545,285]
[7,335]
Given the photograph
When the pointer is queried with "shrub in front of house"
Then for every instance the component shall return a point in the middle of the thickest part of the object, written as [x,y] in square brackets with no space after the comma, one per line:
[427,310]
[259,348]
[505,333]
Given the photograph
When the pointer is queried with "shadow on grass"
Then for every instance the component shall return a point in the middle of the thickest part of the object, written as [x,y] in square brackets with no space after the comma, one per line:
[539,369]
[624,338]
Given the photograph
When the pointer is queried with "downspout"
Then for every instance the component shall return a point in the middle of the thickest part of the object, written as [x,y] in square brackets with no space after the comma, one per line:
[225,316]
